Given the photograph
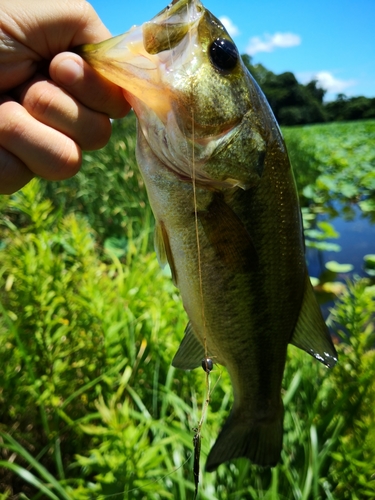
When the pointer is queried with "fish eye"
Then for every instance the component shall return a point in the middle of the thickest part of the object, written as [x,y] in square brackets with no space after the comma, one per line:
[223,54]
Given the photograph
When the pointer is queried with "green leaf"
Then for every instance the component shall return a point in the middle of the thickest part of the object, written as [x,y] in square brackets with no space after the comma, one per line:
[323,245]
[369,264]
[335,267]
[116,246]
[314,281]
[328,229]
[45,474]
[367,205]
[369,259]
[31,479]
[349,190]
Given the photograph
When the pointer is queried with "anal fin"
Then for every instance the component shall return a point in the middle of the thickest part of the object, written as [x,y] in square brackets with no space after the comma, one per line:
[311,333]
[191,351]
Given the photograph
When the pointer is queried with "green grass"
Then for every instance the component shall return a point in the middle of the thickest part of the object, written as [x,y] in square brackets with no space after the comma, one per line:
[90,407]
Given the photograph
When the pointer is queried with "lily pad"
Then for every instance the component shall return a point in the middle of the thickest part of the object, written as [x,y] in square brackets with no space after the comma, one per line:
[314,281]
[367,205]
[336,267]
[335,287]
[369,264]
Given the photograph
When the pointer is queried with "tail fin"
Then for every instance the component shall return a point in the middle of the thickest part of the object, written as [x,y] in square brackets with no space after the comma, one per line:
[258,440]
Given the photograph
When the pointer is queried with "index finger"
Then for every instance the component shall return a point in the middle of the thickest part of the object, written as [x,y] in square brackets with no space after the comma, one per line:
[72,73]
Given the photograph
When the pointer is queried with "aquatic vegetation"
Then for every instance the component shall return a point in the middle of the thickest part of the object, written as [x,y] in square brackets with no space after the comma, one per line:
[334,166]
[335,163]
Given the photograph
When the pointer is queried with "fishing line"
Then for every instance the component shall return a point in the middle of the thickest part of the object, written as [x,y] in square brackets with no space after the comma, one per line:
[169,43]
[197,436]
[193,178]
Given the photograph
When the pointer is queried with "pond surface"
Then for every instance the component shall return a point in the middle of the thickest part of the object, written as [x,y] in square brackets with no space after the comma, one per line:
[357,238]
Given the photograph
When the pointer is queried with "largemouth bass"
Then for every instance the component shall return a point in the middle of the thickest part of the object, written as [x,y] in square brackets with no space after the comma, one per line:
[227,215]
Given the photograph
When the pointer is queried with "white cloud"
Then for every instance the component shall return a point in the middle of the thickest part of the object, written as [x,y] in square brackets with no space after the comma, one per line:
[268,43]
[229,26]
[327,81]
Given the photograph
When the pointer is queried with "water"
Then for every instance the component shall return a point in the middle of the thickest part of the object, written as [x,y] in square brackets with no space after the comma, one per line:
[357,238]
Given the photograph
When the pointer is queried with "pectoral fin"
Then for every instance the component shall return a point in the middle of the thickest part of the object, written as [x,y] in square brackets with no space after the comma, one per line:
[191,351]
[311,333]
[228,235]
[163,249]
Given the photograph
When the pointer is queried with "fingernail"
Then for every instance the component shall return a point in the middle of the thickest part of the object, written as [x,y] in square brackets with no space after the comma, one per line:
[68,72]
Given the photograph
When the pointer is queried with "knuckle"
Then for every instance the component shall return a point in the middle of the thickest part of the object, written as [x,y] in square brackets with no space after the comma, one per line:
[12,122]
[99,134]
[68,161]
[116,104]
[39,99]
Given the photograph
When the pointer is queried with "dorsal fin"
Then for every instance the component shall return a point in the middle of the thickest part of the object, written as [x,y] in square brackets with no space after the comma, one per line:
[311,333]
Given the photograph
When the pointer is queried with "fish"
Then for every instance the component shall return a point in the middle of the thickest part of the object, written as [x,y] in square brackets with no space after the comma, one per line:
[227,214]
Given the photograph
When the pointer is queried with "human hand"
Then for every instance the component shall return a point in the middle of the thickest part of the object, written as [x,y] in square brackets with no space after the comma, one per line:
[47,119]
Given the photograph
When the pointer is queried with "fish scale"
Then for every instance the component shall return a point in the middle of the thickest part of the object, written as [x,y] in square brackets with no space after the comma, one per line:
[227,216]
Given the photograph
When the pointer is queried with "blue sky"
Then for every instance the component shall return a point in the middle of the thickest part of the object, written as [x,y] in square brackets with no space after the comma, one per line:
[331,40]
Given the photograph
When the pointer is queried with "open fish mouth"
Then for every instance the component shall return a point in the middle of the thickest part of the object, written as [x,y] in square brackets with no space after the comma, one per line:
[157,65]
[139,59]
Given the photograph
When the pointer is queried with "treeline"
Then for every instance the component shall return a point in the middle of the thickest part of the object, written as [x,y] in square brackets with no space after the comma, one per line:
[296,104]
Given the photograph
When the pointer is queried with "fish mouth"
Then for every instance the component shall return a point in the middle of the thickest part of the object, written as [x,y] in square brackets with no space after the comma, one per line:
[156,64]
[139,59]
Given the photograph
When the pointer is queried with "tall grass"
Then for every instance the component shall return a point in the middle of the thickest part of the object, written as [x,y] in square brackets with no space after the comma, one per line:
[90,407]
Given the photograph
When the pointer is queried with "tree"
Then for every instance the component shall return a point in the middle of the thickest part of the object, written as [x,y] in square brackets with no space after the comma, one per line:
[351,108]
[296,104]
